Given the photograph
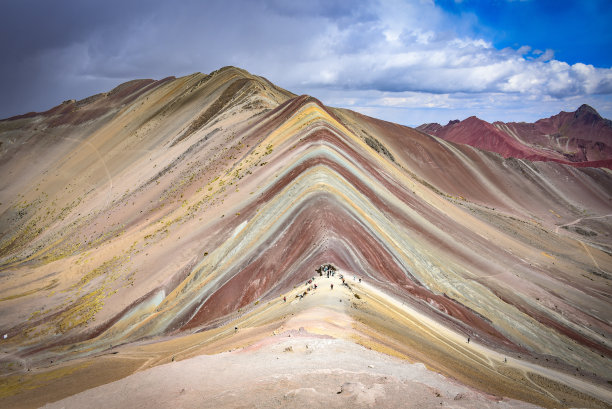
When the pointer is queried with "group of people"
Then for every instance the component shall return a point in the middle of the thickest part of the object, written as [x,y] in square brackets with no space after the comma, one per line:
[310,286]
[327,270]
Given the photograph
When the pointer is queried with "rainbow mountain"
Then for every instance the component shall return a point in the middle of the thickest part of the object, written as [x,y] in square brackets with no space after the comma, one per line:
[166,221]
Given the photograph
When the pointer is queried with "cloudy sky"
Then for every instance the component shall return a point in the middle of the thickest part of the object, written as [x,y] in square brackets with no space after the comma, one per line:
[409,61]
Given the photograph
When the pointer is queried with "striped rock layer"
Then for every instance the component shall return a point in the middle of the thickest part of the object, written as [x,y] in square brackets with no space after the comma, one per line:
[165,208]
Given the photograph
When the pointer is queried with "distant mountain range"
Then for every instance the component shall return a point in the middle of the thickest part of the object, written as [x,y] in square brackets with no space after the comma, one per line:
[580,138]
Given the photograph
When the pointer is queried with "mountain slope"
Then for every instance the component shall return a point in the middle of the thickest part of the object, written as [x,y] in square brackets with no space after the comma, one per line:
[581,138]
[189,206]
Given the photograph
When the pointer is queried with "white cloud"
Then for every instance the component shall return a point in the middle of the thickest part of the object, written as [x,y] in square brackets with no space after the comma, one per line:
[430,63]
[411,61]
[546,55]
[408,47]
[526,49]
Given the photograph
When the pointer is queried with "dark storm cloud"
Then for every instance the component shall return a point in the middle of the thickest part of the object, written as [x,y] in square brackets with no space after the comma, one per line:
[45,43]
[30,26]
[55,50]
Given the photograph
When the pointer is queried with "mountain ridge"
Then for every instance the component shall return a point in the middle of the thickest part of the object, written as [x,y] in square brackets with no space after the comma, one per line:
[182,214]
[579,138]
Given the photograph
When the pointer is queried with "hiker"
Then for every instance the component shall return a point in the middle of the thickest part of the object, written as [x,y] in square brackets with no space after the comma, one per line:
[284,299]
[332,286]
[235,329]
[468,340]
[360,280]
[505,360]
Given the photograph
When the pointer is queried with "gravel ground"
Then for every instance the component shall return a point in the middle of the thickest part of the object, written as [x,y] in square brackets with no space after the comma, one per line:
[292,369]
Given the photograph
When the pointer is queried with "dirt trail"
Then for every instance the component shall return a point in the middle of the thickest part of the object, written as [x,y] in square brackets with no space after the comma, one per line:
[581,219]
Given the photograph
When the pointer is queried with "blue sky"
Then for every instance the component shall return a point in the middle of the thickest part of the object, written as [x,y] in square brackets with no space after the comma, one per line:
[577,31]
[407,61]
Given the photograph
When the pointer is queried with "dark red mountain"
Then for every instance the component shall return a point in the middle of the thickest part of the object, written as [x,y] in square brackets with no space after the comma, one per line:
[580,138]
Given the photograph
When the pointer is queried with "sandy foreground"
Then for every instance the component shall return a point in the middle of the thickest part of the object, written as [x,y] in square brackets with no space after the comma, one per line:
[308,364]
[294,369]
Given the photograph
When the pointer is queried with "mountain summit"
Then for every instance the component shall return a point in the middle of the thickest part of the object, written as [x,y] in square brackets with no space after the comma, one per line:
[580,138]
[215,240]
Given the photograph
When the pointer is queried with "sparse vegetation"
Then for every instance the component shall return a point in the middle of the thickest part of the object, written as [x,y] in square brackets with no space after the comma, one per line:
[378,147]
